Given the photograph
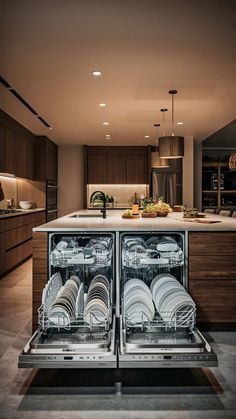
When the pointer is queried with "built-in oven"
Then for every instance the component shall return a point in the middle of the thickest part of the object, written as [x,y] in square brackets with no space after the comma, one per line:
[135,283]
[51,200]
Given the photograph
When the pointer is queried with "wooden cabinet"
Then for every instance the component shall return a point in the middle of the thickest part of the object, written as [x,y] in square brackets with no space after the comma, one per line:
[16,148]
[40,272]
[117,165]
[212,276]
[16,239]
[46,159]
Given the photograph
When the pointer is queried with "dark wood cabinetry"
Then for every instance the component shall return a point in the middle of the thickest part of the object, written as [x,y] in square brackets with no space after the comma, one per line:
[117,165]
[46,157]
[16,147]
[16,239]
[212,276]
[40,272]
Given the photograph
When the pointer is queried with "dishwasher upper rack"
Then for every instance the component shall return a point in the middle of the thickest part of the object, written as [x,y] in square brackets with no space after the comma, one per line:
[75,323]
[138,260]
[81,256]
[166,321]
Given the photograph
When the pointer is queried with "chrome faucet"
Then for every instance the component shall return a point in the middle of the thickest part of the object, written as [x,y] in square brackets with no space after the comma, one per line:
[103,198]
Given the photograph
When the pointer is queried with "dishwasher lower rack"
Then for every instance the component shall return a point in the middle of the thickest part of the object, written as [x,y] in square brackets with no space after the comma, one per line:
[162,321]
[94,324]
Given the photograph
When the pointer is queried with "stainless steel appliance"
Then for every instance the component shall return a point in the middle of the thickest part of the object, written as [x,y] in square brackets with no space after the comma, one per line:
[87,338]
[51,200]
[167,183]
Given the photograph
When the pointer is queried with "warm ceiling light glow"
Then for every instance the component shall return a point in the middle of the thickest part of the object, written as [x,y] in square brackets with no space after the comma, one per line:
[179,123]
[102,105]
[50,127]
[105,123]
[107,135]
[146,136]
[97,73]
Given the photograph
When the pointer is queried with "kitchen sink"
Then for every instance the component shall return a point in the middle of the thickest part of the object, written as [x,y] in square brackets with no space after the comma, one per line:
[86,216]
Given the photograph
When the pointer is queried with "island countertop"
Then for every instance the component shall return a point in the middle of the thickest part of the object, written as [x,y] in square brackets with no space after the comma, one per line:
[115,222]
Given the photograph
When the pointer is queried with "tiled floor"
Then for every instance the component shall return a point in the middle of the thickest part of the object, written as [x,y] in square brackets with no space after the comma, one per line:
[80,394]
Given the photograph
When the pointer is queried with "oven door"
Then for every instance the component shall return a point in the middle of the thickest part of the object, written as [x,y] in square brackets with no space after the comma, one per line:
[70,349]
[164,349]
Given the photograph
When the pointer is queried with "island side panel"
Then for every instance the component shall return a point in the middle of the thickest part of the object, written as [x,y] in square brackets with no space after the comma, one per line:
[40,272]
[212,277]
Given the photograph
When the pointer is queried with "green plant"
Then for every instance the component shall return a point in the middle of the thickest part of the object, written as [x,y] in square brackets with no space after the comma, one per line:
[162,207]
[150,209]
[109,198]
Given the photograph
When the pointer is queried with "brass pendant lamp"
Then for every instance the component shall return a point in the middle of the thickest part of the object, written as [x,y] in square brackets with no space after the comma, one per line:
[156,162]
[171,147]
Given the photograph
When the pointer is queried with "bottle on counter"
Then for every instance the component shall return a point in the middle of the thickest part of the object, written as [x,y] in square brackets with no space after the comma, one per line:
[135,205]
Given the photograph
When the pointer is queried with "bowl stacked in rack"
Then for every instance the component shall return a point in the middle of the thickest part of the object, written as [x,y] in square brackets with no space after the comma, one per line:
[138,304]
[97,305]
[171,299]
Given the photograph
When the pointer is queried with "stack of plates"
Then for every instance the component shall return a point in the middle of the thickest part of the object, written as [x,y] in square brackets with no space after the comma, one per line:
[138,304]
[171,299]
[167,244]
[63,308]
[98,300]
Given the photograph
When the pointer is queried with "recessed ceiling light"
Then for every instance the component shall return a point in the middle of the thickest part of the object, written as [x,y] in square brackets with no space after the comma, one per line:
[102,105]
[105,123]
[97,73]
[50,127]
[108,135]
[146,136]
[179,123]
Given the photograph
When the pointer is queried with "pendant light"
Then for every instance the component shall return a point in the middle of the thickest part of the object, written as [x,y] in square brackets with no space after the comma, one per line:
[156,162]
[232,161]
[171,147]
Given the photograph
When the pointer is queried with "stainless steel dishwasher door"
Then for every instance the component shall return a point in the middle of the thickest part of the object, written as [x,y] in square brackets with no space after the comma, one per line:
[70,350]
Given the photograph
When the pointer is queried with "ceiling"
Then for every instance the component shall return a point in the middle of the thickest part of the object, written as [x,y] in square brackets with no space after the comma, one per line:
[143,48]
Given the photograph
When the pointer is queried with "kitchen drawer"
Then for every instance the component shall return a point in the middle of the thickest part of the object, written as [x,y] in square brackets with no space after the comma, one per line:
[18,235]
[18,221]
[212,266]
[2,226]
[212,243]
[216,301]
[18,254]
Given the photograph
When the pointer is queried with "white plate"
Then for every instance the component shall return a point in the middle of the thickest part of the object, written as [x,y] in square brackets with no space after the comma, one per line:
[59,316]
[135,282]
[158,277]
[163,293]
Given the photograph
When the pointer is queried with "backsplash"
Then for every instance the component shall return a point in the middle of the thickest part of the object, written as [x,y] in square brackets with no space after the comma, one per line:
[121,193]
[9,187]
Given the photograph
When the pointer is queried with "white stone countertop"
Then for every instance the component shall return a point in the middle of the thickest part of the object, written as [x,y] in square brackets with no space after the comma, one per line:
[115,222]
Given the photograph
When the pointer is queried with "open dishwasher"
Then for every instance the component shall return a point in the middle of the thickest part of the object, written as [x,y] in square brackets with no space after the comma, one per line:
[157,315]
[76,318]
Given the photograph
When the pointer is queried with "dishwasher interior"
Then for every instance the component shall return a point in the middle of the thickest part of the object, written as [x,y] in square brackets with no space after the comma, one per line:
[76,318]
[157,315]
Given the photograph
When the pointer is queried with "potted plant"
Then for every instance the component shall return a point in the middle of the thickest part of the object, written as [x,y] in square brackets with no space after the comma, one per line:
[149,211]
[162,209]
[109,200]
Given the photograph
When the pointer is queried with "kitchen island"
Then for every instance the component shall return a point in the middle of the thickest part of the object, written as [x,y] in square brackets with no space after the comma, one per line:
[209,253]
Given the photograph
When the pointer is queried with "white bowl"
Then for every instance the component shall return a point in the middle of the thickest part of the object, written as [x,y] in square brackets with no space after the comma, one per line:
[25,204]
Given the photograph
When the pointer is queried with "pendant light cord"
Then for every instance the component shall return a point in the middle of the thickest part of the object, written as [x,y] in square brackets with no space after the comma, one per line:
[172,93]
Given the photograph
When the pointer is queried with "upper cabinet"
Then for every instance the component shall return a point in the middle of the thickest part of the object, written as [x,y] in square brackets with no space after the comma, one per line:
[16,147]
[24,154]
[46,159]
[117,165]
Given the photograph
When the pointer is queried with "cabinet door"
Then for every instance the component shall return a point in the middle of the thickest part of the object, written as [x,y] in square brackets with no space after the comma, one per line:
[136,167]
[19,155]
[97,169]
[2,149]
[116,168]
[11,152]
[51,161]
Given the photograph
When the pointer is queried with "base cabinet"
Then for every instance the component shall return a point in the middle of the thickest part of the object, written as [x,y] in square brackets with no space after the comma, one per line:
[16,239]
[212,276]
